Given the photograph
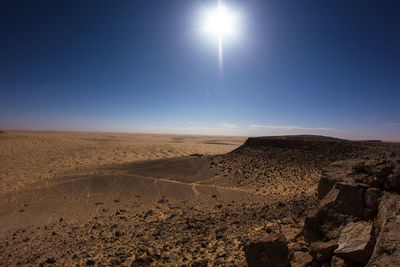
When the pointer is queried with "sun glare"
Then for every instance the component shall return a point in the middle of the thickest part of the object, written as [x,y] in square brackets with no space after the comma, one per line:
[221,23]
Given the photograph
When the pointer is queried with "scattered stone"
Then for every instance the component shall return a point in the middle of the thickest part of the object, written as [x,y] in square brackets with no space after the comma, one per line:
[142,261]
[50,261]
[90,262]
[162,200]
[200,263]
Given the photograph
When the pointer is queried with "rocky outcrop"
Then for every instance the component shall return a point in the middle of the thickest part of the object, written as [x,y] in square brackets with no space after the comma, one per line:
[267,250]
[387,248]
[334,173]
[359,204]
[382,173]
[343,204]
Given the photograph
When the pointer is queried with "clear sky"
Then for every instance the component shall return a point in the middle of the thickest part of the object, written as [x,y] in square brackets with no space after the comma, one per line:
[304,66]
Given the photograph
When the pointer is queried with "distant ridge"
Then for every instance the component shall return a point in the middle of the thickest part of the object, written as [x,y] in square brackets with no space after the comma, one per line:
[325,146]
[294,141]
[302,137]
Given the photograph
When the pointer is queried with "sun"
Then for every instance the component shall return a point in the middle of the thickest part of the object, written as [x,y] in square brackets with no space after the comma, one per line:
[221,24]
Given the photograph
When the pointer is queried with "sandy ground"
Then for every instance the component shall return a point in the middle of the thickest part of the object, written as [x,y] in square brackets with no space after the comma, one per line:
[32,157]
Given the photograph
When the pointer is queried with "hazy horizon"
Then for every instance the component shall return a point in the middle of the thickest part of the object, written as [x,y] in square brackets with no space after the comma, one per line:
[327,68]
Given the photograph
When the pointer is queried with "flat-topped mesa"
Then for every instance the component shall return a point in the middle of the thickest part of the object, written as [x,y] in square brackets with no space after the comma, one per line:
[312,143]
[294,141]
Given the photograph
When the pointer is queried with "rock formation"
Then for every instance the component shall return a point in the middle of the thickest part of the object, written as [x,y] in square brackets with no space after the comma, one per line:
[358,216]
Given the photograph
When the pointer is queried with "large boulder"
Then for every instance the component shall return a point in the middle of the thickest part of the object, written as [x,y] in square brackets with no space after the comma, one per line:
[356,242]
[336,172]
[387,248]
[265,249]
[344,203]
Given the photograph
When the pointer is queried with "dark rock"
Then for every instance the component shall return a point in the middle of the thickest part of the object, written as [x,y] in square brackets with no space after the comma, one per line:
[267,250]
[90,262]
[142,261]
[220,233]
[356,242]
[393,180]
[381,170]
[371,202]
[50,261]
[322,251]
[387,248]
[200,263]
[336,172]
[382,173]
[162,200]
[371,198]
[342,204]
[116,262]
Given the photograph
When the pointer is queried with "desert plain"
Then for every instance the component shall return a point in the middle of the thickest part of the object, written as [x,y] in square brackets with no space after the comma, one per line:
[114,199]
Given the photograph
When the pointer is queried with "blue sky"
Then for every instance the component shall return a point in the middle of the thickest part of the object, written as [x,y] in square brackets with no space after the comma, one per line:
[319,67]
